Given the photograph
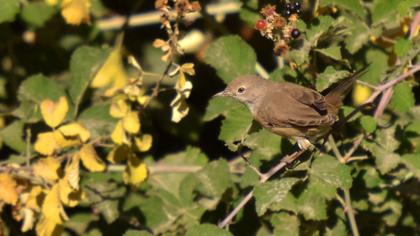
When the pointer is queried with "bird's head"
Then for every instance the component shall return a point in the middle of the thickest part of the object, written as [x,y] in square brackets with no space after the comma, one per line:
[247,89]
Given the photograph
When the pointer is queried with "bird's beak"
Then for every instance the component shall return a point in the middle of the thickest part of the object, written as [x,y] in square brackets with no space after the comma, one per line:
[221,94]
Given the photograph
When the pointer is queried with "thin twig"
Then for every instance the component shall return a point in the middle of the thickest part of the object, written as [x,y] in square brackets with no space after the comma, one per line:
[356,144]
[335,149]
[283,163]
[350,212]
[28,147]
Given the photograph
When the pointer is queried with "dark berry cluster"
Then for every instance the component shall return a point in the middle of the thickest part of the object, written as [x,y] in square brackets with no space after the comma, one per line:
[280,29]
[292,8]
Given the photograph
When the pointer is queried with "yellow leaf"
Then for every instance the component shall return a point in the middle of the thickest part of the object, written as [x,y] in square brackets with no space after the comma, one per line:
[118,154]
[63,142]
[179,105]
[47,227]
[68,195]
[51,2]
[131,122]
[75,130]
[144,143]
[75,12]
[45,143]
[188,68]
[118,135]
[47,168]
[112,70]
[72,173]
[360,94]
[90,159]
[28,220]
[8,191]
[54,113]
[51,206]
[119,108]
[143,99]
[135,172]
[34,199]
[180,84]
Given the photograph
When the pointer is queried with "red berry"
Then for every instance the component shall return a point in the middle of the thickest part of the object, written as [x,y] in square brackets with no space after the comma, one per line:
[261,25]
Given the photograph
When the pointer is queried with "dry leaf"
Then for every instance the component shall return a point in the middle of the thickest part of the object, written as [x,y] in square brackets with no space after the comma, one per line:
[75,130]
[47,168]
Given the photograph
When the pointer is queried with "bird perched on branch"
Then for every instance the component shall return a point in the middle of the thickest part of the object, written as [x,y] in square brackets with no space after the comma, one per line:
[291,110]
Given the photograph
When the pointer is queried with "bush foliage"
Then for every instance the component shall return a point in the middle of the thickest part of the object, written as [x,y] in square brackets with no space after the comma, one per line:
[108,125]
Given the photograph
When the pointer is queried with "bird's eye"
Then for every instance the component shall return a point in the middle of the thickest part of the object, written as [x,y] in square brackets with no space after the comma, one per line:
[241,90]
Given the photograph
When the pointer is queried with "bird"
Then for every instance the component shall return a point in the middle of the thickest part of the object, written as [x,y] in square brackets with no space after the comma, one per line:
[288,109]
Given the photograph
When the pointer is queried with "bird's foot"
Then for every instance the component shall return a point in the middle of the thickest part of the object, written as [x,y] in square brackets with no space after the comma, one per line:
[304,144]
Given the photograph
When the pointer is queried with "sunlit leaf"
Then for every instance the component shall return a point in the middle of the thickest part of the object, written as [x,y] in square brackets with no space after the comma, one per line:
[8,192]
[90,159]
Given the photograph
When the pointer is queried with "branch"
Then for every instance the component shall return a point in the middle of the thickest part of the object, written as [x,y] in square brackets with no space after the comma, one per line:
[350,212]
[283,163]
[150,18]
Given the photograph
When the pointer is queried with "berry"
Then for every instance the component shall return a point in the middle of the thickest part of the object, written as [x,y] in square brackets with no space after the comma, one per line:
[297,11]
[297,5]
[261,25]
[295,33]
[292,8]
[288,12]
[288,6]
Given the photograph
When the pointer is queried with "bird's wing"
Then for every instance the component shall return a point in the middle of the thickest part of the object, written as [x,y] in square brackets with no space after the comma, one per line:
[305,95]
[285,108]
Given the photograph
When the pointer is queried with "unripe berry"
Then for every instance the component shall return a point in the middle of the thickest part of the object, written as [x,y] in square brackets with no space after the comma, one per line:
[261,25]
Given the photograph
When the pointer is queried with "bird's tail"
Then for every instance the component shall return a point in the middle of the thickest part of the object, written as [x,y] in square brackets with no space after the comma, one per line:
[337,93]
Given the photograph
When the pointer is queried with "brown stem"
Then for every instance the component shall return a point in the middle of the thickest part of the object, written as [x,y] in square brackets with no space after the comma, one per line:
[283,163]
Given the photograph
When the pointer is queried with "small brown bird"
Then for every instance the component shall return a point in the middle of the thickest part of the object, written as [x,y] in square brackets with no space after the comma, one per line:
[288,109]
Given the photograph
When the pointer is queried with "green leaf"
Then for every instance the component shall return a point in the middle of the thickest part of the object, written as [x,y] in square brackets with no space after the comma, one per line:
[333,52]
[368,123]
[378,65]
[383,150]
[329,77]
[37,13]
[402,98]
[214,179]
[413,127]
[219,106]
[231,57]
[235,126]
[402,47]
[331,171]
[249,13]
[264,144]
[285,224]
[311,203]
[154,213]
[8,10]
[384,10]
[412,161]
[270,194]
[108,209]
[355,6]
[171,182]
[97,120]
[133,232]
[38,87]
[207,230]
[12,136]
[358,36]
[84,64]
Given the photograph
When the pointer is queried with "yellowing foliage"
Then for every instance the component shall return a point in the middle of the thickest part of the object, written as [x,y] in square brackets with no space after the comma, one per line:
[144,143]
[135,172]
[75,130]
[131,122]
[90,159]
[8,191]
[47,168]
[54,113]
[76,12]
